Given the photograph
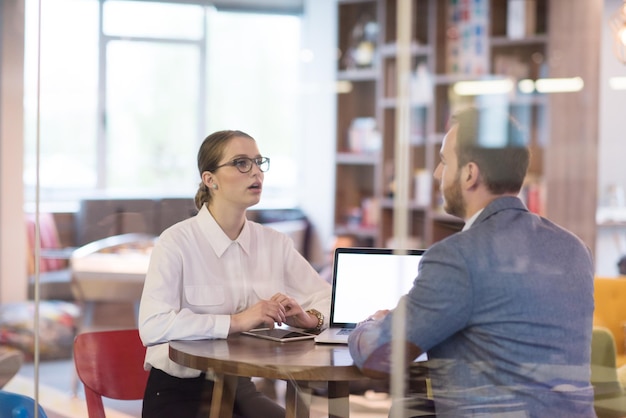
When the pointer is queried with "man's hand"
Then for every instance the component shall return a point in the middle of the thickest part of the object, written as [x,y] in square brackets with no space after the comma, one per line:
[378,364]
[378,315]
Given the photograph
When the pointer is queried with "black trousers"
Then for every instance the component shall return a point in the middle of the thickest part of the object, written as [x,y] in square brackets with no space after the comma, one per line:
[167,396]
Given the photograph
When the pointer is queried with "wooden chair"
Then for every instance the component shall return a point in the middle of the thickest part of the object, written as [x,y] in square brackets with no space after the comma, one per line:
[17,405]
[110,364]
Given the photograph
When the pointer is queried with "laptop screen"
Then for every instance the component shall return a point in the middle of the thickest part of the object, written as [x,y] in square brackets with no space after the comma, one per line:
[366,280]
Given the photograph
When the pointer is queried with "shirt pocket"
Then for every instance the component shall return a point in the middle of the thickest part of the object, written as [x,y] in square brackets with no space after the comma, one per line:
[204,295]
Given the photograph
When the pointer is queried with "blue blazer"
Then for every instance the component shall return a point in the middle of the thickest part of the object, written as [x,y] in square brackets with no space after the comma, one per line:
[504,310]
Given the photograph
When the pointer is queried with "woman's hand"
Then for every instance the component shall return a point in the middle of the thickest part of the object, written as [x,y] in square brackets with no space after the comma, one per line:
[296,316]
[264,313]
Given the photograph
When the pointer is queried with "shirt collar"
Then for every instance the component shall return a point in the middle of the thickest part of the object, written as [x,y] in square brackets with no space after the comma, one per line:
[218,240]
[470,221]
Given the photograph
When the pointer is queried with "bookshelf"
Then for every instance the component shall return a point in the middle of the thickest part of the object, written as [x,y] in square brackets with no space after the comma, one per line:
[452,41]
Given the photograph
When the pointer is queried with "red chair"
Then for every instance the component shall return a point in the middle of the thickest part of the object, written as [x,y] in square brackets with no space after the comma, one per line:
[55,274]
[110,364]
[49,242]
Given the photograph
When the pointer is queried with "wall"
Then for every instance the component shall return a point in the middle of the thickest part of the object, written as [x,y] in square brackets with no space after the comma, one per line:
[12,231]
[571,157]
[316,154]
[611,242]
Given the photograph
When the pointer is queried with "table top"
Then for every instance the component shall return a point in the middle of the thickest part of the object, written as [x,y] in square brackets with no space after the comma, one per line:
[243,355]
[127,265]
[121,257]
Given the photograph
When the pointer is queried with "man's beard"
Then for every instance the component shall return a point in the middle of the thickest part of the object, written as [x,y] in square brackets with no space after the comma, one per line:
[454,204]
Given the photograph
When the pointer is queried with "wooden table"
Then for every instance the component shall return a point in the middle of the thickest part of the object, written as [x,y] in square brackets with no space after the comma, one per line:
[298,362]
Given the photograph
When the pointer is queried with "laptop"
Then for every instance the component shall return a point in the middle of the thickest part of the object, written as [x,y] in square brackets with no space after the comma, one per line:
[366,280]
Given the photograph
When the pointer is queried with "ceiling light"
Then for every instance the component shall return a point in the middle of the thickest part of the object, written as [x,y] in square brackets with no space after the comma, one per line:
[526,86]
[483,87]
[617,83]
[559,85]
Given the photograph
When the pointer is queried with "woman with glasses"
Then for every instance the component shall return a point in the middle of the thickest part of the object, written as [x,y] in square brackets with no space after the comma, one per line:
[217,274]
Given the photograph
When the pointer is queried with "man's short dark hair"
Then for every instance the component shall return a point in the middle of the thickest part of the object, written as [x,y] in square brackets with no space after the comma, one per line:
[621,266]
[495,142]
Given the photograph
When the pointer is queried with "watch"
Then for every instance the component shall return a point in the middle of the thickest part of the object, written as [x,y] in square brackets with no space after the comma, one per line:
[320,318]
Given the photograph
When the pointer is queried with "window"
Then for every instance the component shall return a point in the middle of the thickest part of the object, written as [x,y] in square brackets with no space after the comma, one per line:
[124,106]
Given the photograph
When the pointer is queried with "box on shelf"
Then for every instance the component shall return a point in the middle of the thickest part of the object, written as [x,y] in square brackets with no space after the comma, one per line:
[363,136]
[423,187]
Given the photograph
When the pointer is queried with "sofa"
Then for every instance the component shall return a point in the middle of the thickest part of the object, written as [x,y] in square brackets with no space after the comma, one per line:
[610,311]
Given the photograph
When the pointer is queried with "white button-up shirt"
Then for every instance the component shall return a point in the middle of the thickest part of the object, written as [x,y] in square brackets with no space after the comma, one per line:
[198,277]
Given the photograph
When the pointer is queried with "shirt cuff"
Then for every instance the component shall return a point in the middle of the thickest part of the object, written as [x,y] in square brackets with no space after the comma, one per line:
[222,326]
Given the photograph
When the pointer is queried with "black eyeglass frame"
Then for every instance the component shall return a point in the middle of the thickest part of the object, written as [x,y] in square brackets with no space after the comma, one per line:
[259,161]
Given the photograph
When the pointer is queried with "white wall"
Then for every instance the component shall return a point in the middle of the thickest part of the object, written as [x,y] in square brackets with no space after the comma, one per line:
[317,154]
[612,168]
[611,241]
[12,238]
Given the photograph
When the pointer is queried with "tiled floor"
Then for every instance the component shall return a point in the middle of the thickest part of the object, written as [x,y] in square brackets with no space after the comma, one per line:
[56,380]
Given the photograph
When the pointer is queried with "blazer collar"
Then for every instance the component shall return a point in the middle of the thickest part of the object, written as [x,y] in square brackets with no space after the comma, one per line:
[500,204]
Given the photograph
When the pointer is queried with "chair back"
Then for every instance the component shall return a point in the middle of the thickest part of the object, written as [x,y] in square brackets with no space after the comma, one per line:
[603,364]
[48,239]
[15,405]
[110,364]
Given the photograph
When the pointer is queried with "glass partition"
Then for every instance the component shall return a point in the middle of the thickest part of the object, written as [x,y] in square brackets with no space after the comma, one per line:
[128,89]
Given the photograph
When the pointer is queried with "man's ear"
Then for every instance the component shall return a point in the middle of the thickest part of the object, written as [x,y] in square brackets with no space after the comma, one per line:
[470,176]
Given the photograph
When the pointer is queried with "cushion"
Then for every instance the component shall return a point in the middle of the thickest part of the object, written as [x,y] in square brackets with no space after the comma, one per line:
[57,328]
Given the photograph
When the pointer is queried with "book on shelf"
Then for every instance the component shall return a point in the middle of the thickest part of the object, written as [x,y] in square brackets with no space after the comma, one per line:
[467,37]
[521,19]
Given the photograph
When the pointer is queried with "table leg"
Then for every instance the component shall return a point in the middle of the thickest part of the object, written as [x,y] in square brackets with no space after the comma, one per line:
[223,401]
[304,396]
[291,402]
[297,399]
[338,399]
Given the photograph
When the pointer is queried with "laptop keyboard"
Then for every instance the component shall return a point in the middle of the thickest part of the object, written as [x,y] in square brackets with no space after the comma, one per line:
[345,331]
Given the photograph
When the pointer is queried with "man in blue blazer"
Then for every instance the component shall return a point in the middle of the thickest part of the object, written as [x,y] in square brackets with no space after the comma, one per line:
[503,308]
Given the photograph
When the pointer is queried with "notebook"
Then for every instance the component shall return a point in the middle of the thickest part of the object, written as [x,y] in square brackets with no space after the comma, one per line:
[366,280]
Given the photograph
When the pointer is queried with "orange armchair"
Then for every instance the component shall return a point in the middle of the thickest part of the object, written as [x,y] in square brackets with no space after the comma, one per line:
[610,311]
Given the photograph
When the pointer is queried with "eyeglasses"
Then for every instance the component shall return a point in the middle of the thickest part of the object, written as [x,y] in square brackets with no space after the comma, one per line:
[244,164]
